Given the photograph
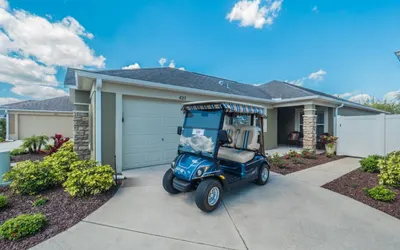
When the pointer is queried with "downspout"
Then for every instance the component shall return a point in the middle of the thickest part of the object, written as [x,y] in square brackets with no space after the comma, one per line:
[7,126]
[99,85]
[336,115]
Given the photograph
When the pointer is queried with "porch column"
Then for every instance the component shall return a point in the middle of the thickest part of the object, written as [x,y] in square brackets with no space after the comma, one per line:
[309,127]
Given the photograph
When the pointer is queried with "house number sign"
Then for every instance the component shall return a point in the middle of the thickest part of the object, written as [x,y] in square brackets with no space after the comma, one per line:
[183,98]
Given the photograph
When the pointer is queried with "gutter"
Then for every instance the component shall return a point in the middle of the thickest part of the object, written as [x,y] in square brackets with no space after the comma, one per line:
[33,110]
[99,85]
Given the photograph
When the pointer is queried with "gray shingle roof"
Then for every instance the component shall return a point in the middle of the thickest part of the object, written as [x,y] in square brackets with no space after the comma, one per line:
[170,76]
[181,78]
[54,104]
[284,90]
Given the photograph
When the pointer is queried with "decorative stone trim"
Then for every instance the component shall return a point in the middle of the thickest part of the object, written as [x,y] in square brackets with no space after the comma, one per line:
[81,135]
[309,128]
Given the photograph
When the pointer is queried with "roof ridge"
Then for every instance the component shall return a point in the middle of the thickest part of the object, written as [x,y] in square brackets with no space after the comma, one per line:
[305,90]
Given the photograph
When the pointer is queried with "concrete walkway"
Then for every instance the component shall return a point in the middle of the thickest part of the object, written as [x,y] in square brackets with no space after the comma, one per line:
[327,172]
[288,213]
[8,146]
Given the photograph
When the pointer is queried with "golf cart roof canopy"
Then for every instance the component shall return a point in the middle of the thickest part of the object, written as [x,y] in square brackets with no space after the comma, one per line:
[227,106]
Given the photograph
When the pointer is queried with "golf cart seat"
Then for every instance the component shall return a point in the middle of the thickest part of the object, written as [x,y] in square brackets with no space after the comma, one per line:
[245,146]
[231,130]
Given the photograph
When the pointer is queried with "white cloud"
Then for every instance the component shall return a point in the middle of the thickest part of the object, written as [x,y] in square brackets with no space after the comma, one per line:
[132,66]
[162,61]
[298,82]
[172,64]
[254,13]
[39,92]
[345,95]
[392,96]
[317,76]
[4,4]
[32,48]
[8,100]
[361,98]
[25,71]
[315,9]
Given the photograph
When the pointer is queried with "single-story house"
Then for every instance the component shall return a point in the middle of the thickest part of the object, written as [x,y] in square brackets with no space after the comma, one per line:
[128,118]
[38,117]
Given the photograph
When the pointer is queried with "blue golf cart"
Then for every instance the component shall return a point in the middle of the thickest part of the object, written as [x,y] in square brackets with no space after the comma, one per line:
[221,146]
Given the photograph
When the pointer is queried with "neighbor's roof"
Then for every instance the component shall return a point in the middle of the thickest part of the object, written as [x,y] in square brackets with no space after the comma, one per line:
[180,78]
[54,104]
[269,91]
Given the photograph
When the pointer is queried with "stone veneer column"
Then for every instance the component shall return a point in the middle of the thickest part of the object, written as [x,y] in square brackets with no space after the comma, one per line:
[309,127]
[81,135]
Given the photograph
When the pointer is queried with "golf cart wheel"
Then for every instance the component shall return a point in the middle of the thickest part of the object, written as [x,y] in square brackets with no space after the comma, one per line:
[208,195]
[167,182]
[263,175]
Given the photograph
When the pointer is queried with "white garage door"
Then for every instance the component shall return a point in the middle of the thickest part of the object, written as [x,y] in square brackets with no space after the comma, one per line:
[49,125]
[149,131]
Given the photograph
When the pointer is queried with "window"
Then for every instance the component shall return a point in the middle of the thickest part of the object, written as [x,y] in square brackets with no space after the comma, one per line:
[322,123]
[241,120]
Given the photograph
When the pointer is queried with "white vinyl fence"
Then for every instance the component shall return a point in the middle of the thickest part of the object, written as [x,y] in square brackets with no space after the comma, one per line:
[361,136]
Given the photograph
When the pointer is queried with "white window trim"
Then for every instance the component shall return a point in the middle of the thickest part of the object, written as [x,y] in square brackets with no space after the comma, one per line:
[297,118]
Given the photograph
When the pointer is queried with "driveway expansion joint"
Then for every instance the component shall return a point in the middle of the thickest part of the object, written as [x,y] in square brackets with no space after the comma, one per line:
[237,229]
[158,235]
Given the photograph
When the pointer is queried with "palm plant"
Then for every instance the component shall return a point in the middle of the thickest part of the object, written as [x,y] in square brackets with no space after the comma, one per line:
[42,141]
[30,144]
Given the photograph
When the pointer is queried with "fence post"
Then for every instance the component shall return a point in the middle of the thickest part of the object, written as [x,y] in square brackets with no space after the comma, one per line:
[381,133]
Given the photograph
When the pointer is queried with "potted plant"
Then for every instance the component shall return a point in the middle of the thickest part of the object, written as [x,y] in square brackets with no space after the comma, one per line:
[330,144]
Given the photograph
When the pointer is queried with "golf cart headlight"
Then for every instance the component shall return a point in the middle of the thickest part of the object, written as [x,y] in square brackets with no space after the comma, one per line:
[201,171]
[173,164]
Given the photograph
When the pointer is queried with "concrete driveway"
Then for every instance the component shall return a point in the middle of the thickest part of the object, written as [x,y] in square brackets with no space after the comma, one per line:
[290,212]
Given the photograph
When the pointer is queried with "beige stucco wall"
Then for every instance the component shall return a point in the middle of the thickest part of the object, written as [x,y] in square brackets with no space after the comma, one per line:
[271,135]
[28,123]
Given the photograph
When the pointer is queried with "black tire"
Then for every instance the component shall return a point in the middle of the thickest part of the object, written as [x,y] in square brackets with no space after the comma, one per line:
[259,180]
[202,192]
[167,182]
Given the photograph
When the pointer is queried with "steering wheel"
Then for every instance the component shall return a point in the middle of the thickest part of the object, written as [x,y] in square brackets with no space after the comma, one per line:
[230,140]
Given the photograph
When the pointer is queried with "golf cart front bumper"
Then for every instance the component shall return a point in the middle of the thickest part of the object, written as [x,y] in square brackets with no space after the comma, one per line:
[183,186]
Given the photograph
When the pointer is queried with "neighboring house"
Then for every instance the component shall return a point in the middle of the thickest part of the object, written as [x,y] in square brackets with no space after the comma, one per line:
[133,114]
[44,117]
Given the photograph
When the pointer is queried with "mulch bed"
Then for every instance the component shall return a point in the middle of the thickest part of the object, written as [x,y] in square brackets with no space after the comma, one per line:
[352,184]
[291,167]
[25,157]
[62,212]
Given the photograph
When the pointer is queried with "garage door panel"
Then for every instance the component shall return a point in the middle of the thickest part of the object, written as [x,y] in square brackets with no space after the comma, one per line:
[29,125]
[149,131]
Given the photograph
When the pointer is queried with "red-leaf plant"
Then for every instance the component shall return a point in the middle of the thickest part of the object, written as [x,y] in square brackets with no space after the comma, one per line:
[59,140]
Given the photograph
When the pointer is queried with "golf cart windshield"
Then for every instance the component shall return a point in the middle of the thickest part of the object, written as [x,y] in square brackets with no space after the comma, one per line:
[200,132]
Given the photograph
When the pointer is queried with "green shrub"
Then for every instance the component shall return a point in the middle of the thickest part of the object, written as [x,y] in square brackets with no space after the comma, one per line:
[29,177]
[308,154]
[88,179]
[3,130]
[298,160]
[18,151]
[59,164]
[389,168]
[22,226]
[381,193]
[292,154]
[3,201]
[370,164]
[67,146]
[1,139]
[40,201]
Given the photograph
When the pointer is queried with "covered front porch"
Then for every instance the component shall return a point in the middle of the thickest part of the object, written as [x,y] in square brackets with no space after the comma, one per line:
[301,126]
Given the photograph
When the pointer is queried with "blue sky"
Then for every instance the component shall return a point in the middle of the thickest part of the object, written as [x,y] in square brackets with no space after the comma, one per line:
[348,45]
